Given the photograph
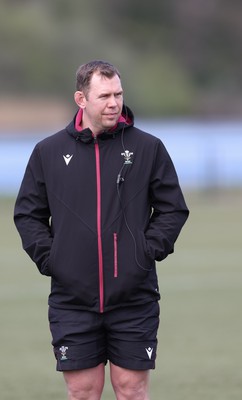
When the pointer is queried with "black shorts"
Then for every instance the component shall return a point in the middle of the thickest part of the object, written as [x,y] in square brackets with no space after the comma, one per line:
[126,336]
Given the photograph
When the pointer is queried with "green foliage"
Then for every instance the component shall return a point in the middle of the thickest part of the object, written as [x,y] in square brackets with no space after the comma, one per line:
[163,87]
[184,56]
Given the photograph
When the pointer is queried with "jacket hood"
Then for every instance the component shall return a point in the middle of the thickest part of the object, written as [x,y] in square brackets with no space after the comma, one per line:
[126,120]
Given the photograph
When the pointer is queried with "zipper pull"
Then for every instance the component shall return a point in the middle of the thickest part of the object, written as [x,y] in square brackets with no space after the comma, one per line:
[95,139]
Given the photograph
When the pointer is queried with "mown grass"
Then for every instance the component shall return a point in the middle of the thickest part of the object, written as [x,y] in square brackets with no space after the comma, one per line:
[200,336]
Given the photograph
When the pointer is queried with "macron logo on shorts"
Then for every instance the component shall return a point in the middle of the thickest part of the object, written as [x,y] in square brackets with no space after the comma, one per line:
[149,352]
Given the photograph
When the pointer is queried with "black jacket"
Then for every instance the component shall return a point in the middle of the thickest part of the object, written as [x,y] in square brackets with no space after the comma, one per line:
[95,214]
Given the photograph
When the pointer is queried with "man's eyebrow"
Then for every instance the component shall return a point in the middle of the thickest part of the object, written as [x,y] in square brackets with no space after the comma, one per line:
[103,94]
[110,93]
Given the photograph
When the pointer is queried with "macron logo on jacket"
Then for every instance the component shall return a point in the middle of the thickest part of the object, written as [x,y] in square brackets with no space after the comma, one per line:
[67,158]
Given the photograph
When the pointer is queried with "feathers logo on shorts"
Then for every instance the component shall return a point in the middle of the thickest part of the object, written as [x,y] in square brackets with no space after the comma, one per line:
[63,350]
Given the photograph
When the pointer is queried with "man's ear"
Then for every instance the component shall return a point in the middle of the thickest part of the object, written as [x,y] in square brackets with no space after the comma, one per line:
[80,99]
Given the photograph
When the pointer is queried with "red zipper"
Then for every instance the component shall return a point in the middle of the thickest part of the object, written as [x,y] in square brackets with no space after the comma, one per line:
[115,256]
[99,237]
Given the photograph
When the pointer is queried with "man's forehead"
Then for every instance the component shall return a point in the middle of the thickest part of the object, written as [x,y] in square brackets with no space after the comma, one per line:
[102,82]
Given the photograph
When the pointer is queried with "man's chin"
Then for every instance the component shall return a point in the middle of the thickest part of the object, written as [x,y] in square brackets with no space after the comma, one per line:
[110,124]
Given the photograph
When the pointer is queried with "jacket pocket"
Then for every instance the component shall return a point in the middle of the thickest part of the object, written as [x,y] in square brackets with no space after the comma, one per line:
[115,255]
[145,257]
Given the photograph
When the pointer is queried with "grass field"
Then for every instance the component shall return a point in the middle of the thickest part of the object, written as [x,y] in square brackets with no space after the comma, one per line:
[200,336]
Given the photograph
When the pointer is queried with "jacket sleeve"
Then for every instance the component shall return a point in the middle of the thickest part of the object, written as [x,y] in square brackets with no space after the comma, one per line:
[169,210]
[32,214]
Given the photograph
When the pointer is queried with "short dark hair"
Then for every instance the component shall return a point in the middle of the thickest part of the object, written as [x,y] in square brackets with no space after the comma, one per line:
[86,71]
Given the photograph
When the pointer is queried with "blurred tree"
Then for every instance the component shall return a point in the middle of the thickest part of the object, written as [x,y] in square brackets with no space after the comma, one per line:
[175,57]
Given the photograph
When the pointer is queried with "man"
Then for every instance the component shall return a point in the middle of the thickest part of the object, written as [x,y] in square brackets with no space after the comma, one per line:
[99,203]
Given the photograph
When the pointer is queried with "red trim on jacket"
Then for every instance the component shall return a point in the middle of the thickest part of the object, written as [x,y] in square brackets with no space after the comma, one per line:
[78,120]
[99,228]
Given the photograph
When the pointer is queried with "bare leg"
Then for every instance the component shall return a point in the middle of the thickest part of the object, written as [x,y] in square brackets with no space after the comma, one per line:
[85,384]
[129,384]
